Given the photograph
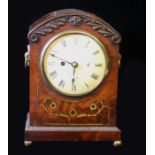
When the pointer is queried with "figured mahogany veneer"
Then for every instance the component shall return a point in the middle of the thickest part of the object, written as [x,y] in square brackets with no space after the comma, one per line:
[71,133]
[51,112]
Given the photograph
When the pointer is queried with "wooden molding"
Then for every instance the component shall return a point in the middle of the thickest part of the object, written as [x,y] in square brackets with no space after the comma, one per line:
[74,18]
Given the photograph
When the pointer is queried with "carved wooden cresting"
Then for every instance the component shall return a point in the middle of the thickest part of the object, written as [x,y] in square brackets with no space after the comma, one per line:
[74,20]
[56,117]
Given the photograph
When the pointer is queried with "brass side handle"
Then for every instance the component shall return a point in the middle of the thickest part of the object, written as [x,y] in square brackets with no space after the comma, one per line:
[119,61]
[27,57]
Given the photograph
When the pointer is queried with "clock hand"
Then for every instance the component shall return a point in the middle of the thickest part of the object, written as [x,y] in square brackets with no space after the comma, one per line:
[53,55]
[73,79]
[74,65]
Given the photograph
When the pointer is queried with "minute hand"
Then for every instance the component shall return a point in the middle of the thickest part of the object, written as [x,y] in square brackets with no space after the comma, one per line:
[53,55]
[73,79]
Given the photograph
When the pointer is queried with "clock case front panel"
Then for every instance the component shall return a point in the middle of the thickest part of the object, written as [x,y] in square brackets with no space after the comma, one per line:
[51,109]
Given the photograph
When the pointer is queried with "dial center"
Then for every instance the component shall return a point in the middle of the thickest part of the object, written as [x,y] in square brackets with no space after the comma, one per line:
[74,64]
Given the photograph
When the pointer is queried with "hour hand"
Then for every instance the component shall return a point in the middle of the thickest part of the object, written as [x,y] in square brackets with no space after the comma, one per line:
[53,55]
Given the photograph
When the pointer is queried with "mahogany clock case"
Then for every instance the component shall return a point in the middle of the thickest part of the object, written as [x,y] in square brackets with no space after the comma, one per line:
[128,18]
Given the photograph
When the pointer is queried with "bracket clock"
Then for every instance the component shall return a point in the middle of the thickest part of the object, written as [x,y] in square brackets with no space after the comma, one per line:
[73,58]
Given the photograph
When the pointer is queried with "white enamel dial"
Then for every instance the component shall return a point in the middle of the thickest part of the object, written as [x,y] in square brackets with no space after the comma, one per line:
[74,63]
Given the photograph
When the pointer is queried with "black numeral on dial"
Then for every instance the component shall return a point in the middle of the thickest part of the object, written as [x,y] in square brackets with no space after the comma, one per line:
[94,76]
[53,74]
[74,88]
[64,43]
[95,53]
[76,40]
[88,42]
[98,65]
[61,84]
[86,85]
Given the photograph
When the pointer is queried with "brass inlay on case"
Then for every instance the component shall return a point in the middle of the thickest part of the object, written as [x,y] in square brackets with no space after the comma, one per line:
[93,106]
[73,112]
[53,105]
[94,114]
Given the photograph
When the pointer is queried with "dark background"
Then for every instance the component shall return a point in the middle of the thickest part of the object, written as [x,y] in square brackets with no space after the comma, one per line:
[126,16]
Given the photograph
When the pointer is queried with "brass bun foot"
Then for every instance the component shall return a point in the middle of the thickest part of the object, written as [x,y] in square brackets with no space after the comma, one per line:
[27,143]
[117,143]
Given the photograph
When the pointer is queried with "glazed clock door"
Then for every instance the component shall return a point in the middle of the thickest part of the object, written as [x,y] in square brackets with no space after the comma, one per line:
[74,63]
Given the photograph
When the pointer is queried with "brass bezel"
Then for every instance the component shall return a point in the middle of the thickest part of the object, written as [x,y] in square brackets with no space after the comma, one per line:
[43,52]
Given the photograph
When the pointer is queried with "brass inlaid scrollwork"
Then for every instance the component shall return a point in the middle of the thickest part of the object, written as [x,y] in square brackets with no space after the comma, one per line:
[94,114]
[53,105]
[46,103]
[72,112]
[93,106]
